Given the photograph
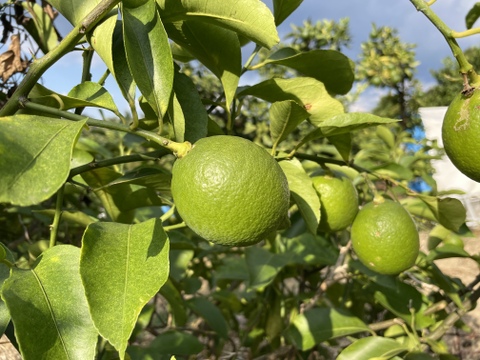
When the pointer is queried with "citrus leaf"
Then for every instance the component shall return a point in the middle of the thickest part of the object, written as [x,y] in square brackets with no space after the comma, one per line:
[343,144]
[4,275]
[250,18]
[35,150]
[190,119]
[394,171]
[303,193]
[307,92]
[285,116]
[449,212]
[386,135]
[71,217]
[168,343]
[263,266]
[417,207]
[122,267]
[320,324]
[148,53]
[175,301]
[331,67]
[212,315]
[94,94]
[309,249]
[372,347]
[472,15]
[283,8]
[74,11]
[447,284]
[446,251]
[47,326]
[216,48]
[43,30]
[154,178]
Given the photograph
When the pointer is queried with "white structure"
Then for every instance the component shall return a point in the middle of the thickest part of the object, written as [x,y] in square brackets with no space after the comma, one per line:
[447,176]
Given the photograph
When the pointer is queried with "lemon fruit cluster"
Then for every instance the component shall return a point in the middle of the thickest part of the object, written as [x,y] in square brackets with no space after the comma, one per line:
[339,201]
[384,237]
[230,191]
[461,134]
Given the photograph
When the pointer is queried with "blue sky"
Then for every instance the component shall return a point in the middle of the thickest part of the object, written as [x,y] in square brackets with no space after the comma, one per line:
[413,27]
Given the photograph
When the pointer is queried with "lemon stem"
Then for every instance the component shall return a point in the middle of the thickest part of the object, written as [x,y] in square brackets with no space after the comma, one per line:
[57,216]
[464,66]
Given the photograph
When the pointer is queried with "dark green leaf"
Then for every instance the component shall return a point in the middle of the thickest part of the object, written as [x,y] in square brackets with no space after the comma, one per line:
[472,15]
[47,326]
[263,266]
[331,67]
[122,267]
[309,249]
[303,192]
[148,53]
[320,324]
[285,116]
[283,8]
[35,150]
[372,347]
[4,275]
[176,303]
[250,18]
[212,315]
[343,144]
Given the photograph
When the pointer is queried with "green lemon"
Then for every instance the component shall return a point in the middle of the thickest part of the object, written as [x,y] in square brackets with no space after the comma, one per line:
[461,134]
[230,191]
[339,201]
[385,237]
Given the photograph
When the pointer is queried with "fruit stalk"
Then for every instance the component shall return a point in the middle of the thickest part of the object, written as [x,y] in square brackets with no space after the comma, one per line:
[465,67]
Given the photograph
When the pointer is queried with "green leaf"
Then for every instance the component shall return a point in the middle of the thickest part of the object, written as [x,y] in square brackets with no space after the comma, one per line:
[322,323]
[444,282]
[285,116]
[263,266]
[417,207]
[384,133]
[94,94]
[472,15]
[309,249]
[122,267]
[175,301]
[343,144]
[331,67]
[283,8]
[446,251]
[190,119]
[303,193]
[307,92]
[217,48]
[35,150]
[49,309]
[169,343]
[394,171]
[372,347]
[74,11]
[41,27]
[4,275]
[250,18]
[449,212]
[148,53]
[212,315]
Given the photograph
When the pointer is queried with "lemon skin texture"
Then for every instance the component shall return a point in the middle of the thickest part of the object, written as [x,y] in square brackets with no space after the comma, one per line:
[461,134]
[230,191]
[385,238]
[339,201]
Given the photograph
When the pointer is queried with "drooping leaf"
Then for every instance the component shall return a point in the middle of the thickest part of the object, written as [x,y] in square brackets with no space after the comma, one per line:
[283,8]
[263,266]
[190,119]
[449,212]
[322,323]
[35,155]
[472,15]
[343,144]
[95,94]
[148,53]
[46,325]
[303,193]
[372,347]
[215,47]
[175,301]
[331,67]
[74,11]
[285,116]
[307,92]
[41,27]
[211,313]
[249,18]
[122,267]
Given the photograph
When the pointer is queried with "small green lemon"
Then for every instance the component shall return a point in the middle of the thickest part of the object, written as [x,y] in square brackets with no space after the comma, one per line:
[230,191]
[461,134]
[339,201]
[385,237]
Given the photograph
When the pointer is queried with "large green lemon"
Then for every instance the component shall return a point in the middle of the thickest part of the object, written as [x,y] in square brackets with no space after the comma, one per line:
[461,134]
[339,201]
[385,237]
[230,191]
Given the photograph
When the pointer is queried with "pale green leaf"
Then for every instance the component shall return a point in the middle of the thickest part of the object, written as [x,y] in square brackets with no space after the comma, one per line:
[283,8]
[320,324]
[94,94]
[49,309]
[331,67]
[41,27]
[393,170]
[35,155]
[449,212]
[384,133]
[249,18]
[285,116]
[74,11]
[307,92]
[148,53]
[122,267]
[372,347]
[216,48]
[303,193]
[343,144]
[263,266]
[176,303]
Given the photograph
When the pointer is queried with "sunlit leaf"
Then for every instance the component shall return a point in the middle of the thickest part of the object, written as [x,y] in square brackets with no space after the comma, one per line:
[41,27]
[283,8]
[285,116]
[263,266]
[372,347]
